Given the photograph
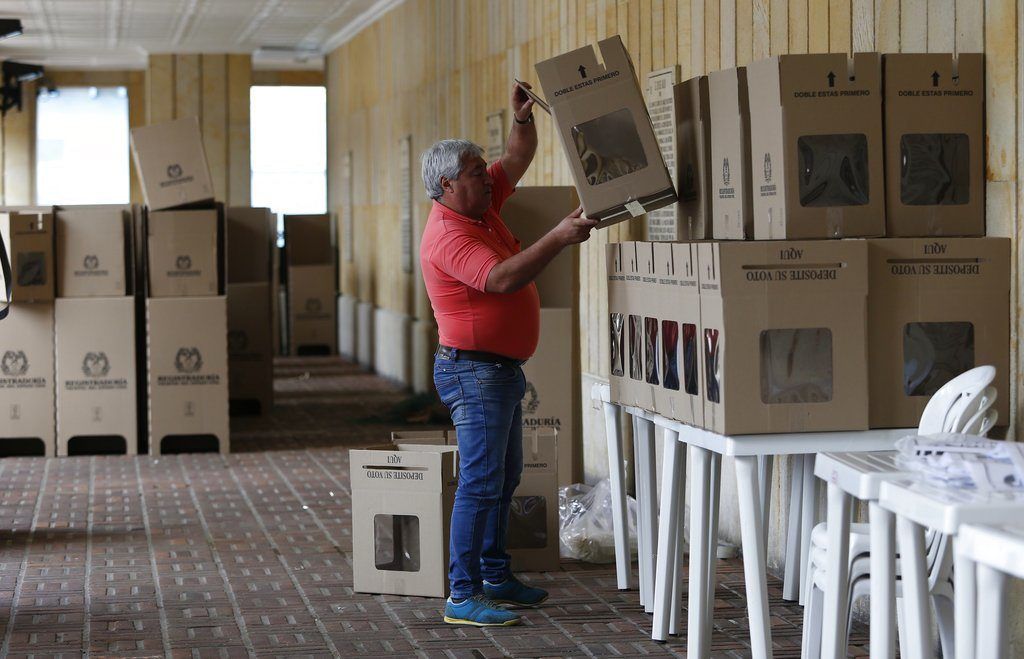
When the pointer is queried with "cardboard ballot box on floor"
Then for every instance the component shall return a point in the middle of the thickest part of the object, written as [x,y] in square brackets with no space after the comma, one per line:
[26,380]
[29,238]
[605,131]
[784,338]
[402,501]
[96,376]
[171,164]
[95,250]
[693,155]
[816,158]
[187,364]
[533,514]
[937,307]
[312,285]
[185,252]
[731,204]
[934,144]
[630,271]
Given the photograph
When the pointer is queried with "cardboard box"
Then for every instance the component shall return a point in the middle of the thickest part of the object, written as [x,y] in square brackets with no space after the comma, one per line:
[732,212]
[250,349]
[28,237]
[307,240]
[530,213]
[630,278]
[252,239]
[937,307]
[784,341]
[606,132]
[26,377]
[184,253]
[312,320]
[674,301]
[533,516]
[401,516]
[187,362]
[935,144]
[428,437]
[693,152]
[95,251]
[96,386]
[816,146]
[171,164]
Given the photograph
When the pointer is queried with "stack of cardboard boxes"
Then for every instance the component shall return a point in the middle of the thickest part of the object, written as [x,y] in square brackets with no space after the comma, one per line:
[312,285]
[793,332]
[183,239]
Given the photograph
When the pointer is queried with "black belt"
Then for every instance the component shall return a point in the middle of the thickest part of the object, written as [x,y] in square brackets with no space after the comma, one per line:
[455,354]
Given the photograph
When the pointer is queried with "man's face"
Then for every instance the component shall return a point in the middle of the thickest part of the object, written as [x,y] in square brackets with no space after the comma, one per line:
[470,194]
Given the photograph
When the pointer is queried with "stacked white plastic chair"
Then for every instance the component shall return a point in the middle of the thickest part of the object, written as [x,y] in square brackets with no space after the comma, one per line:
[962,405]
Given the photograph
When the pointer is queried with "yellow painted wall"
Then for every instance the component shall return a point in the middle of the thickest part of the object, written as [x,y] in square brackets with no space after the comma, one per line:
[436,68]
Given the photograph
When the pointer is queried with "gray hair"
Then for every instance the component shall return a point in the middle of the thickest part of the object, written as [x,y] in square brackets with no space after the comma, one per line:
[444,158]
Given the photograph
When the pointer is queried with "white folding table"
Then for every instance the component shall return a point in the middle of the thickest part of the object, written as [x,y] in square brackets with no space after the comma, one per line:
[996,551]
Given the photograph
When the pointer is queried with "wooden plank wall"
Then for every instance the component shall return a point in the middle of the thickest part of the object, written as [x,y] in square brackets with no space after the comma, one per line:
[436,68]
[214,88]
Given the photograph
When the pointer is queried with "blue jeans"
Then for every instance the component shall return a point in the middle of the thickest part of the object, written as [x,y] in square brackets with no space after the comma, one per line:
[485,403]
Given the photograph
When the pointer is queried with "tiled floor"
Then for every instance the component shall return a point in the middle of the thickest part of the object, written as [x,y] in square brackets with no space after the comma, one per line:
[249,554]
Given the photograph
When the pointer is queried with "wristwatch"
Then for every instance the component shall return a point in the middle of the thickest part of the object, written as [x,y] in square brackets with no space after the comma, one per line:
[528,120]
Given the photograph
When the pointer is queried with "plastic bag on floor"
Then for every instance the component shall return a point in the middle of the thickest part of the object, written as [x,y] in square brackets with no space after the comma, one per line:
[585,522]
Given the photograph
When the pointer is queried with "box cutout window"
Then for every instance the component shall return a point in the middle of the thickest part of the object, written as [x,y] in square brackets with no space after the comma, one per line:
[713,365]
[670,354]
[651,350]
[934,354]
[618,345]
[636,356]
[528,523]
[833,170]
[690,358]
[609,147]
[31,269]
[396,543]
[935,169]
[796,365]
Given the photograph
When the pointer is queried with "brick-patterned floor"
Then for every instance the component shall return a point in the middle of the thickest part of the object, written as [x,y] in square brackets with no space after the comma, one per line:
[249,554]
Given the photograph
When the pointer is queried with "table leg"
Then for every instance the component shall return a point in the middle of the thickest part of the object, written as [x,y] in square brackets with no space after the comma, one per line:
[965,600]
[833,642]
[915,589]
[791,577]
[674,624]
[765,465]
[754,566]
[620,528]
[883,581]
[697,643]
[714,503]
[665,575]
[808,518]
[648,475]
[991,614]
[640,485]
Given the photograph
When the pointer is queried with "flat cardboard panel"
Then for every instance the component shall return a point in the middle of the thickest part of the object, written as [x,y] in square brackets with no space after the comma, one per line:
[96,386]
[750,288]
[606,132]
[307,240]
[533,527]
[732,209]
[187,369]
[935,280]
[312,320]
[693,135]
[183,253]
[28,236]
[816,146]
[252,235]
[26,374]
[928,95]
[171,164]
[549,402]
[530,213]
[410,480]
[250,345]
[94,251]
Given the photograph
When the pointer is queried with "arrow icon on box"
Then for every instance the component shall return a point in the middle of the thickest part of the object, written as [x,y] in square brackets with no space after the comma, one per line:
[583,71]
[831,79]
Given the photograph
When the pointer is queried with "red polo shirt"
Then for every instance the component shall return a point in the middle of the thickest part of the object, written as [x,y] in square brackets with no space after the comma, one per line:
[456,255]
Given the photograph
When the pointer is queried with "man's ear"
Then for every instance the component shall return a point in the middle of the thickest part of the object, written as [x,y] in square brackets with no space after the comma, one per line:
[446,184]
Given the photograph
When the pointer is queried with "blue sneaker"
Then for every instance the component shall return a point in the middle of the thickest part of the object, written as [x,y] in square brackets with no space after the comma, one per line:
[513,591]
[478,611]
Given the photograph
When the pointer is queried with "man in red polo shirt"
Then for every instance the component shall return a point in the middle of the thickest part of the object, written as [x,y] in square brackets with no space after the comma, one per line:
[481,288]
